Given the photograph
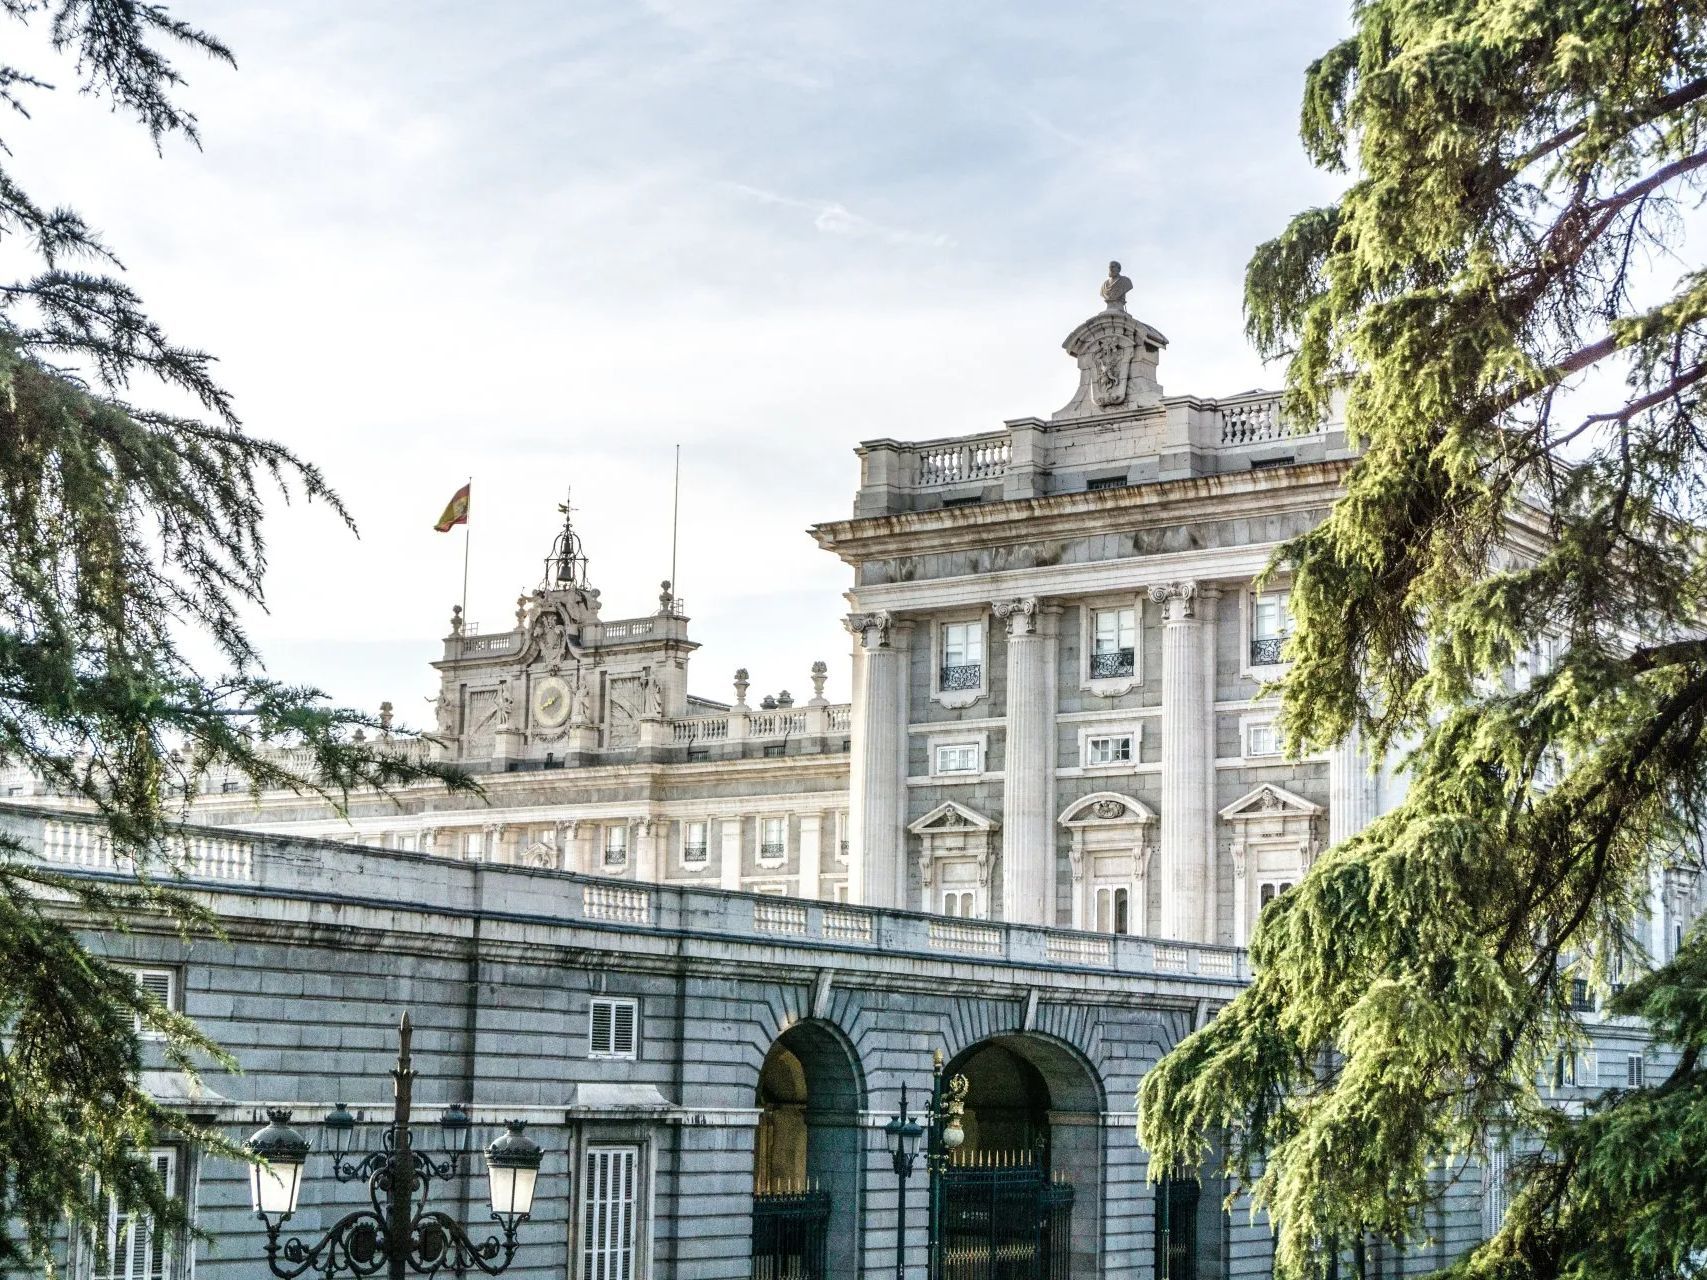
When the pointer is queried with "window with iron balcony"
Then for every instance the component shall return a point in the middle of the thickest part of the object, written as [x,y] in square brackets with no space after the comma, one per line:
[962,656]
[616,846]
[693,842]
[1114,641]
[1270,625]
[773,837]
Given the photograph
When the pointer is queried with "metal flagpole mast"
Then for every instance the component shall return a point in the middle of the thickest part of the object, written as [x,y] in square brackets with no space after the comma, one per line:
[675,524]
[467,515]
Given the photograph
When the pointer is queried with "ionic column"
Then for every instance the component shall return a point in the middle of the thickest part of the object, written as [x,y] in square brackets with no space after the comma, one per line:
[1187,854]
[1351,789]
[1028,828]
[877,788]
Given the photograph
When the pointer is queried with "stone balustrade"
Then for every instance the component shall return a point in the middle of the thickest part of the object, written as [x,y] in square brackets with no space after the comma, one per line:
[974,458]
[1257,420]
[308,869]
[766,725]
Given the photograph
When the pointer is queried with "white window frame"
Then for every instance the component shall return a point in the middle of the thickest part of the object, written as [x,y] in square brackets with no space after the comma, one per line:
[980,741]
[762,827]
[1110,686]
[958,698]
[1248,726]
[614,1009]
[609,1227]
[122,1263]
[1087,733]
[606,848]
[703,860]
[474,846]
[1106,902]
[958,904]
[163,984]
[972,750]
[1635,1071]
[1248,608]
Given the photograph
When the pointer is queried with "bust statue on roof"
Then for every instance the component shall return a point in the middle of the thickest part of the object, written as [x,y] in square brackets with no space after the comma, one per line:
[1115,289]
[1116,355]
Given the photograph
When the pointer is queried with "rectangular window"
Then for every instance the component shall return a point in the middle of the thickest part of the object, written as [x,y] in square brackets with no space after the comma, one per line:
[962,656]
[136,1248]
[1270,625]
[1108,748]
[1113,909]
[162,984]
[1262,739]
[616,846]
[1565,1070]
[957,903]
[1496,1190]
[693,843]
[773,837]
[1581,1000]
[1114,643]
[607,1213]
[957,757]
[1635,1071]
[612,1028]
[473,846]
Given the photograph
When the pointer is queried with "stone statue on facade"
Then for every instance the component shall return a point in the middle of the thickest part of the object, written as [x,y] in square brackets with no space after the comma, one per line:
[506,704]
[1115,288]
[651,696]
[581,701]
[444,715]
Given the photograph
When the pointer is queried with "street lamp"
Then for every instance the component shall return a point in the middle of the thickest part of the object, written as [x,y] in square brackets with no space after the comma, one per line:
[395,1232]
[904,1134]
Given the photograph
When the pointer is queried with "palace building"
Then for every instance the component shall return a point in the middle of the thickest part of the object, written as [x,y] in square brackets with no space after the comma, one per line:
[705,947]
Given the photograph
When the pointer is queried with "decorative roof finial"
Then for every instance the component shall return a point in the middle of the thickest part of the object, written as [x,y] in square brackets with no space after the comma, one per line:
[1115,289]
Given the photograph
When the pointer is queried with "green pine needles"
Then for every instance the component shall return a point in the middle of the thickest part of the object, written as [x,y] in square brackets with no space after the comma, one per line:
[127,533]
[1510,299]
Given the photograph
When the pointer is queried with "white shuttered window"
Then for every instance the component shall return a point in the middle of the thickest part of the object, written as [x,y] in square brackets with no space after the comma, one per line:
[162,984]
[136,1249]
[612,1028]
[607,1213]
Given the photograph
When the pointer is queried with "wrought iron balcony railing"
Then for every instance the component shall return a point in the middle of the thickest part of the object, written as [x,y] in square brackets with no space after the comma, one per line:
[965,675]
[1111,665]
[1266,652]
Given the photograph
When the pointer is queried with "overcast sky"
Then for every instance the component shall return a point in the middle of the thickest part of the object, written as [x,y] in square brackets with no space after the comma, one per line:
[542,243]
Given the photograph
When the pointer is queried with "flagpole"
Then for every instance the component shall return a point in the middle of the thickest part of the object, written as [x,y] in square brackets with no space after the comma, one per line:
[675,521]
[468,511]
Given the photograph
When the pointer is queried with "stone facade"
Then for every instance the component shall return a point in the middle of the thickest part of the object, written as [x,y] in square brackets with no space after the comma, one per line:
[325,945]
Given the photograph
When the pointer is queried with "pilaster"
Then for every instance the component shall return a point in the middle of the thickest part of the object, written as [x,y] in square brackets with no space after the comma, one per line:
[811,854]
[1186,859]
[1351,788]
[1028,829]
[877,867]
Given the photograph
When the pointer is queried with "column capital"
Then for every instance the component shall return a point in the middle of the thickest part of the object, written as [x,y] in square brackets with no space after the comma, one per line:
[1020,615]
[872,630]
[1179,600]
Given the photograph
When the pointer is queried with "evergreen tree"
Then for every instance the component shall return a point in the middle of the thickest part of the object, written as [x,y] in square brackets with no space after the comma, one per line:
[126,534]
[1510,297]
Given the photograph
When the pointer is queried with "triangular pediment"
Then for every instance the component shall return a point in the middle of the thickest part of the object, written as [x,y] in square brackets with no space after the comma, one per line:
[1270,801]
[1102,807]
[951,816]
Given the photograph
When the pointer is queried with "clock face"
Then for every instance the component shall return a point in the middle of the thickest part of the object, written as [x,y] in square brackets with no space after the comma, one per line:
[550,702]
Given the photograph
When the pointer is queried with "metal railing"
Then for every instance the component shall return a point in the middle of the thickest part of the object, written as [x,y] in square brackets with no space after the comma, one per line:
[1113,664]
[964,675]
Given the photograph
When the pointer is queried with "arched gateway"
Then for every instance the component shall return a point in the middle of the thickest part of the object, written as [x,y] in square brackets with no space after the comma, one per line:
[806,1157]
[1022,1197]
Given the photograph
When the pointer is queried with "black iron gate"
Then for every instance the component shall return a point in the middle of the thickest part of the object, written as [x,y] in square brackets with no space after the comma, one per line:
[788,1235]
[1011,1223]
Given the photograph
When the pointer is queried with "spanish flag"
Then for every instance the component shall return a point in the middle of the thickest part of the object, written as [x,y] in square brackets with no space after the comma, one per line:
[456,512]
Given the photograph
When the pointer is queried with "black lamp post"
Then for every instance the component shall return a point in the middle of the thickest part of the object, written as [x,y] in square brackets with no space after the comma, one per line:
[943,1134]
[395,1233]
[904,1134]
